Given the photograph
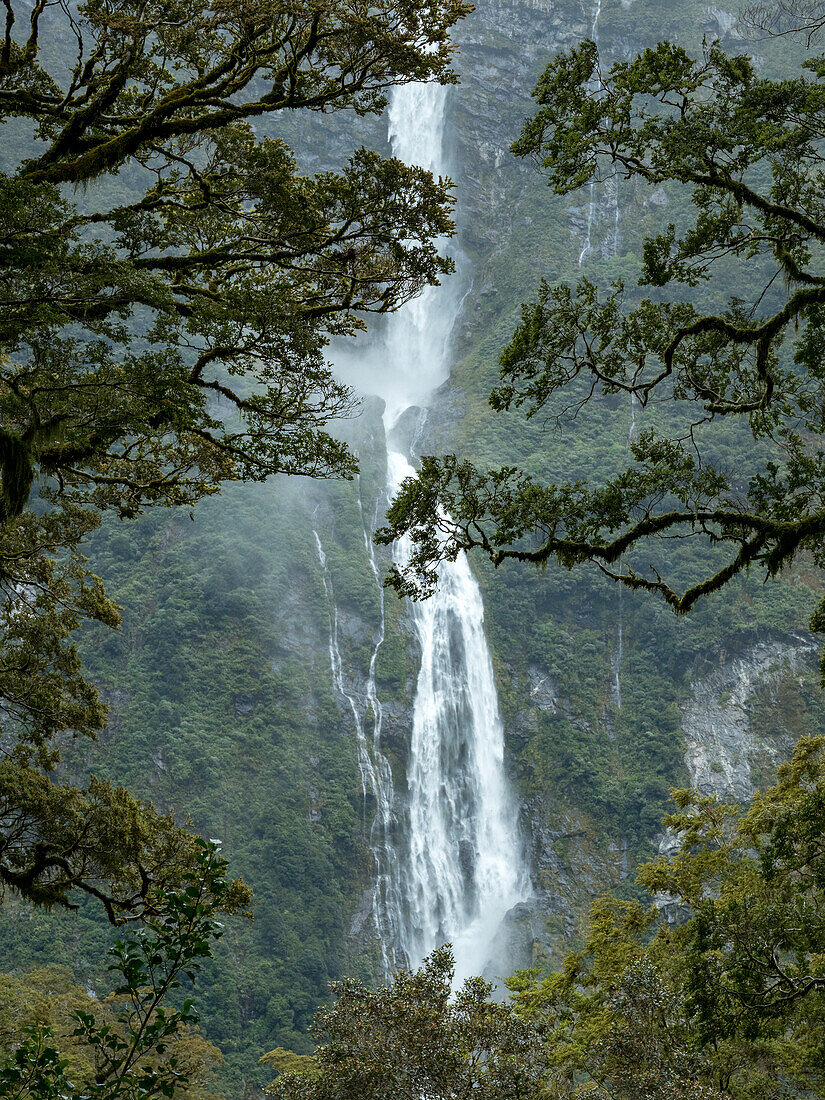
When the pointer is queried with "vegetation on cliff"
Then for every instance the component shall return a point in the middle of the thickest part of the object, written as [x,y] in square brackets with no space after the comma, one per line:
[169,281]
[217,681]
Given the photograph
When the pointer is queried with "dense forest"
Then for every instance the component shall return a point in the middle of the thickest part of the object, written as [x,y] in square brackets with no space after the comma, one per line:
[411,546]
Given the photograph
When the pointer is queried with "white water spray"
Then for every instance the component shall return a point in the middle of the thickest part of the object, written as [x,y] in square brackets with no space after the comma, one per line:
[409,361]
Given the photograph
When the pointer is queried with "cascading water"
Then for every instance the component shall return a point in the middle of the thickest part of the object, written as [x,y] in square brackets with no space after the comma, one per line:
[376,776]
[459,866]
[462,868]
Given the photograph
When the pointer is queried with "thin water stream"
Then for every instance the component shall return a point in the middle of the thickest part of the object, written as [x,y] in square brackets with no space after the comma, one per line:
[376,778]
[610,247]
[592,205]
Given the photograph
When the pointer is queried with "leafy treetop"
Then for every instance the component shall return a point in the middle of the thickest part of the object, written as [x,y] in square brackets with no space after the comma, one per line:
[415,1038]
[725,997]
[169,279]
[750,151]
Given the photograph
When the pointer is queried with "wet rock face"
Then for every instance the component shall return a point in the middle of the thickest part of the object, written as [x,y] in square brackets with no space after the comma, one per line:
[571,865]
[740,723]
[721,737]
[721,23]
[742,712]
[544,695]
[504,47]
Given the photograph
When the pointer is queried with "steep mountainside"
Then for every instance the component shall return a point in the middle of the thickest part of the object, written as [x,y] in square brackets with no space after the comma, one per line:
[243,668]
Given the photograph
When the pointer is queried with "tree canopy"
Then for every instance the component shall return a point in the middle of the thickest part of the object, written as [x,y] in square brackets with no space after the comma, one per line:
[748,150]
[169,281]
[166,333]
[415,1038]
[128,319]
[716,990]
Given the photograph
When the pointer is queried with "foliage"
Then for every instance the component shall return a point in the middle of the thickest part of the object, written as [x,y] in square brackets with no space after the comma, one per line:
[727,998]
[169,280]
[36,1069]
[45,1002]
[46,592]
[753,882]
[287,1061]
[220,277]
[784,17]
[413,1039]
[134,1043]
[167,334]
[100,840]
[750,150]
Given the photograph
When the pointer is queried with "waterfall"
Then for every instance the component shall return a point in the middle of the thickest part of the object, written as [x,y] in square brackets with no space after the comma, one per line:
[462,867]
[592,208]
[456,866]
